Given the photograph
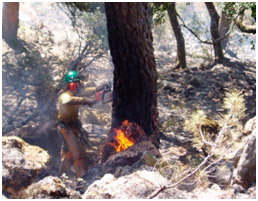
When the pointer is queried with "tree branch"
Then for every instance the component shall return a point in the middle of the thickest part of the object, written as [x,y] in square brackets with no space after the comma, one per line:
[209,42]
[203,138]
[244,27]
[35,114]
[155,193]
[11,116]
[239,21]
[74,63]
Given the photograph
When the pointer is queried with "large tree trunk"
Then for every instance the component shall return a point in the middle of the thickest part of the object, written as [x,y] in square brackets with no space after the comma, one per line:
[219,56]
[181,56]
[10,21]
[135,76]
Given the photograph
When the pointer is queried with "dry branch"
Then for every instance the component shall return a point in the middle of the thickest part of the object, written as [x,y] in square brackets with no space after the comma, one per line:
[208,41]
[35,114]
[211,154]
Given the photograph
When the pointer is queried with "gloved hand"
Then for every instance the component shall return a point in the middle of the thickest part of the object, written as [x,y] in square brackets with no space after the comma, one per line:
[99,95]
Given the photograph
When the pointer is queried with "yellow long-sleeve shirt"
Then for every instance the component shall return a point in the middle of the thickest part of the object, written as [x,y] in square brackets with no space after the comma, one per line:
[69,104]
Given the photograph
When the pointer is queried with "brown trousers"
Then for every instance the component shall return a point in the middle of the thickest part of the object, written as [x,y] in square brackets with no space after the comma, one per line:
[73,151]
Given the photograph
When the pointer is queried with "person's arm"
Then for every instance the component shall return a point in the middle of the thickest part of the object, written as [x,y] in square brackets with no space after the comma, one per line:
[75,100]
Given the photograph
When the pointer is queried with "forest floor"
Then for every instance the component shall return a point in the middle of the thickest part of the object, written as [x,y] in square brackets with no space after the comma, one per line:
[201,86]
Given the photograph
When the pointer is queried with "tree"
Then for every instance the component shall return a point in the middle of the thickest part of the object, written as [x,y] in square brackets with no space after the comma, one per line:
[181,55]
[159,10]
[10,21]
[219,56]
[224,26]
[89,22]
[135,75]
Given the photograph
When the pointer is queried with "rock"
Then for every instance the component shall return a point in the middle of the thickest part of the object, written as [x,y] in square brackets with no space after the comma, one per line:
[138,185]
[238,188]
[188,185]
[130,156]
[215,187]
[93,174]
[21,164]
[237,156]
[169,88]
[195,82]
[189,91]
[221,173]
[252,191]
[250,126]
[242,196]
[212,193]
[122,171]
[245,173]
[49,188]
[224,175]
[149,159]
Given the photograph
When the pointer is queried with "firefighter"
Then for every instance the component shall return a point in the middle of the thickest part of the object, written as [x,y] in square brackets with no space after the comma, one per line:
[75,138]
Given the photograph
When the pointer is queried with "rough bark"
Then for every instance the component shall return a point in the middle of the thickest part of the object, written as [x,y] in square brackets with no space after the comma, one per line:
[181,55]
[10,21]
[219,56]
[135,75]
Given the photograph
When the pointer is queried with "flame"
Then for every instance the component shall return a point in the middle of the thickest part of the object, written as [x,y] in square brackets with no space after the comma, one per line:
[122,141]
[125,122]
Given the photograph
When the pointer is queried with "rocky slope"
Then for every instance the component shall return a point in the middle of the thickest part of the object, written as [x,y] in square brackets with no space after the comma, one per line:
[137,181]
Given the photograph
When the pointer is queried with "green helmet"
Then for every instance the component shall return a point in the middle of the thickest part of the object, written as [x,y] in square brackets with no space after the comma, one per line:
[71,76]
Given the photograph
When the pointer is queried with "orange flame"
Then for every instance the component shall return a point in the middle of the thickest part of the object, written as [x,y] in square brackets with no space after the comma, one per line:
[122,141]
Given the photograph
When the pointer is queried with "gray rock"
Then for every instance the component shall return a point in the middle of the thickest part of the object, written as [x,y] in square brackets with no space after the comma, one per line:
[222,174]
[138,185]
[21,164]
[170,88]
[129,157]
[237,156]
[245,173]
[189,91]
[238,188]
[195,82]
[49,188]
[250,126]
[215,187]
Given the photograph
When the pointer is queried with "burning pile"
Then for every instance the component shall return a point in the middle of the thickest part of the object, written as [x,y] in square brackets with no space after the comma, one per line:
[127,135]
[122,142]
